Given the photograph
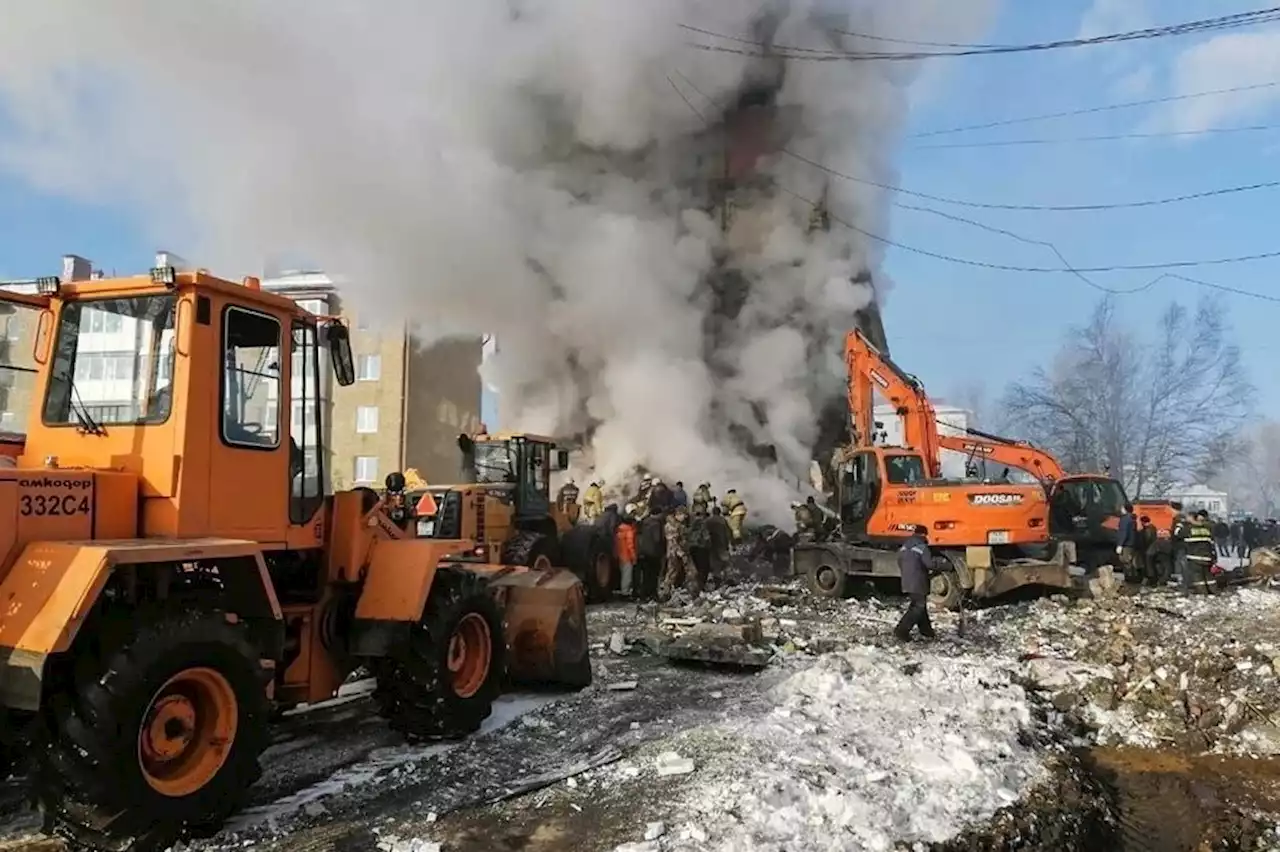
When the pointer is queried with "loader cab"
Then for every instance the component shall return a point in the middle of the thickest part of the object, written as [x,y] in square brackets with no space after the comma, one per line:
[521,462]
[206,392]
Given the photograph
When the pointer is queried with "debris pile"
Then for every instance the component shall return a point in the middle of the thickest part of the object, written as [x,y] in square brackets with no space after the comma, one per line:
[1157,669]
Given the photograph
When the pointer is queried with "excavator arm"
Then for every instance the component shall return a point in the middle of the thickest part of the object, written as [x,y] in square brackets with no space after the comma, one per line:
[871,372]
[1006,451]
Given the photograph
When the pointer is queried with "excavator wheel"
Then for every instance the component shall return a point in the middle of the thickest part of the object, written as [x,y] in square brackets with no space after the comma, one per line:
[828,580]
[589,555]
[158,736]
[532,549]
[442,683]
[945,589]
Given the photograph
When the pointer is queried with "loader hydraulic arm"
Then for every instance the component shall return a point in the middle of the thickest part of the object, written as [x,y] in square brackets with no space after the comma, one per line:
[872,372]
[1017,454]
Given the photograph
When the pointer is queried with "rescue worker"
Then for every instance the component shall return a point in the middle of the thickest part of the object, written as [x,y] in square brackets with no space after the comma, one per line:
[678,495]
[679,567]
[702,497]
[1177,538]
[1127,543]
[721,537]
[698,541]
[914,562]
[1221,536]
[649,555]
[1148,538]
[737,513]
[806,523]
[1202,556]
[567,495]
[592,502]
[660,498]
[642,495]
[624,548]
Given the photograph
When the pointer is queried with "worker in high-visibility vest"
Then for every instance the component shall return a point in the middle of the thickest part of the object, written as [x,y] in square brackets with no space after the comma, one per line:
[1202,555]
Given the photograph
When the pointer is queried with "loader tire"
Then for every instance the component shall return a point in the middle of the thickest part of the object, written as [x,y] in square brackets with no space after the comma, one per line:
[158,736]
[589,555]
[442,683]
[532,549]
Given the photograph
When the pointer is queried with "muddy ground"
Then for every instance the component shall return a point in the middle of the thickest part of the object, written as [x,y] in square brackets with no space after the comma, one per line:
[1134,699]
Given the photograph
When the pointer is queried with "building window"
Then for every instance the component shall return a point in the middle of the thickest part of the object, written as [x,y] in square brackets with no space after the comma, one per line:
[315,306]
[367,419]
[366,469]
[368,368]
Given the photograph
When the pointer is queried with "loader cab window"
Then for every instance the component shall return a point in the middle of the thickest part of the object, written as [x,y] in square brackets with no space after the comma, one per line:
[250,379]
[112,363]
[306,447]
[904,470]
[18,324]
[494,462]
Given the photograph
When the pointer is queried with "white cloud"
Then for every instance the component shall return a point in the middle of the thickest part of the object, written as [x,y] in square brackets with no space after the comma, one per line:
[1114,16]
[1136,84]
[1224,62]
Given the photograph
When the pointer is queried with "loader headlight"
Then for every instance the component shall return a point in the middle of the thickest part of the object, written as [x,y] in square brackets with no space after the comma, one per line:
[166,275]
[48,285]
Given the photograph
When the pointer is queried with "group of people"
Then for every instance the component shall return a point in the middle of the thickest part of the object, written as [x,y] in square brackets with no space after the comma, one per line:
[1239,537]
[663,537]
[1192,549]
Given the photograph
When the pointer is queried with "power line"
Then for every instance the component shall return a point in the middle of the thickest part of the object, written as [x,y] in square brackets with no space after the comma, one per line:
[1002,267]
[1109,137]
[1068,267]
[1005,122]
[1070,208]
[1224,22]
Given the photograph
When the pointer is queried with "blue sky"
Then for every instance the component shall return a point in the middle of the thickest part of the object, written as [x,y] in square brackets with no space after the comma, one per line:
[953,325]
[957,326]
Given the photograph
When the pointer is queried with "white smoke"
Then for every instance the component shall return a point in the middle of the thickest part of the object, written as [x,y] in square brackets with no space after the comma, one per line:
[524,168]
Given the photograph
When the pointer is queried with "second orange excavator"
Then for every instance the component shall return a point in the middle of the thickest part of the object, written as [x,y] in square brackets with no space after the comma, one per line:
[1084,508]
[979,530]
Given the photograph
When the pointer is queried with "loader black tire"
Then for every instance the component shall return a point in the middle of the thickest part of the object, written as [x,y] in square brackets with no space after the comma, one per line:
[589,555]
[418,693]
[532,549]
[135,747]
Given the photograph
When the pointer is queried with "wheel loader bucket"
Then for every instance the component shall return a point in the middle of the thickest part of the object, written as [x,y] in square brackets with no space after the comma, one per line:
[545,628]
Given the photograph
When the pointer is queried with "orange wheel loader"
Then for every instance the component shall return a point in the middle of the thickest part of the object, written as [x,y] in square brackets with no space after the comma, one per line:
[174,568]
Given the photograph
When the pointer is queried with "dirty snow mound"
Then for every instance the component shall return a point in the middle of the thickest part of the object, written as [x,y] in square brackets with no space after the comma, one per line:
[866,748]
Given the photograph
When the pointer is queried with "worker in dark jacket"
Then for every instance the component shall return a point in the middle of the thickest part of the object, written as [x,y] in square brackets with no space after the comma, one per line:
[914,562]
[1127,542]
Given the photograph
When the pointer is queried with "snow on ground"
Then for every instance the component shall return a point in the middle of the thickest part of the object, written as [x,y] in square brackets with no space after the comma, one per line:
[858,751]
[379,764]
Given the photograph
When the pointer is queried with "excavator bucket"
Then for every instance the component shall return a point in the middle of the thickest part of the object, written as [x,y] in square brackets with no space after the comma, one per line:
[546,628]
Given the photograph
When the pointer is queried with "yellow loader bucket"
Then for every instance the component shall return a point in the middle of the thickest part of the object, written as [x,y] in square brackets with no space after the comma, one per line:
[545,628]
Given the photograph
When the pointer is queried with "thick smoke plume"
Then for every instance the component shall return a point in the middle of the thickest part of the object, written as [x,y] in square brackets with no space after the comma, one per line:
[549,171]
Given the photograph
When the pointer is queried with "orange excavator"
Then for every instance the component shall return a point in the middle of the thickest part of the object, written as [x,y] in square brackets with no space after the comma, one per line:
[978,530]
[1084,508]
[174,567]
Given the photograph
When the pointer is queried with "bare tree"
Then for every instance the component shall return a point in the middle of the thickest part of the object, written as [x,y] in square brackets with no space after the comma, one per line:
[1152,412]
[1251,473]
